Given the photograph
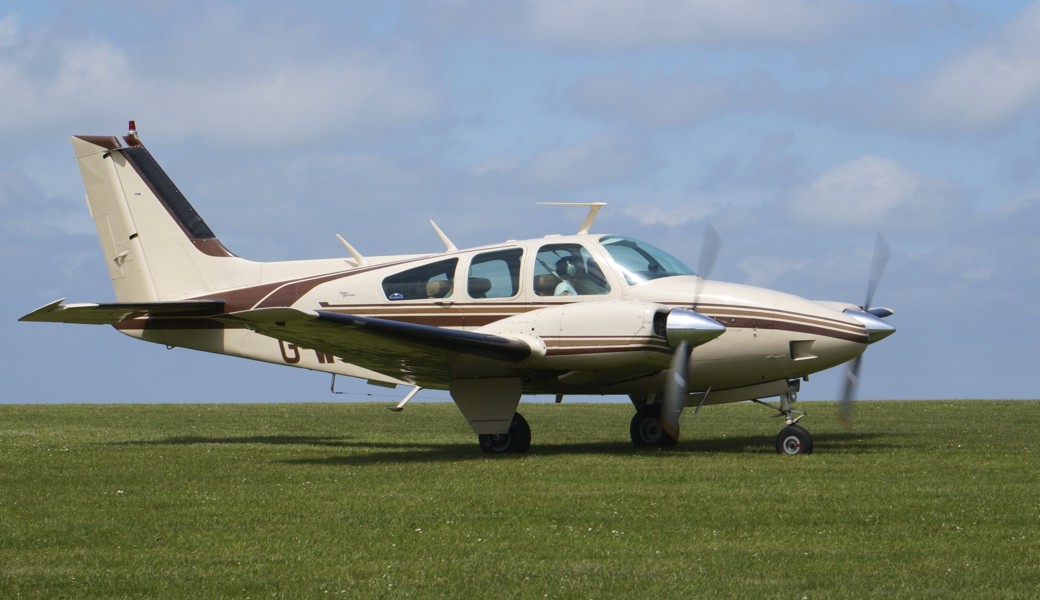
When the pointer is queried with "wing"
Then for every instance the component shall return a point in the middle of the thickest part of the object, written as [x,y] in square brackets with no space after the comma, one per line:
[110,314]
[420,354]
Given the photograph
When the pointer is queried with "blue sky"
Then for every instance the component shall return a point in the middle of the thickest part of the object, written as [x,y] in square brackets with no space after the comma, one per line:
[798,129]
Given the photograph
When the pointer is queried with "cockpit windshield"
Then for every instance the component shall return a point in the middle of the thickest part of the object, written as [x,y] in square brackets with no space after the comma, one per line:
[639,262]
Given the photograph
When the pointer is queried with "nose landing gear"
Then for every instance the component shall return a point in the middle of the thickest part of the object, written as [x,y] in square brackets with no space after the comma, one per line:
[793,438]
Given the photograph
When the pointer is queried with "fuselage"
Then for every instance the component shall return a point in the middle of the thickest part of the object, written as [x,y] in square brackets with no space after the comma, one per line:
[592,305]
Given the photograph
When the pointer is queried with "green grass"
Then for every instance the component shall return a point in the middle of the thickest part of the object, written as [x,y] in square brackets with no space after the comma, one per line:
[918,499]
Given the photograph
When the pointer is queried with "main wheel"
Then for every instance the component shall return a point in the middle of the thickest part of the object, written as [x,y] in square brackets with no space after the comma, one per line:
[794,440]
[515,441]
[646,428]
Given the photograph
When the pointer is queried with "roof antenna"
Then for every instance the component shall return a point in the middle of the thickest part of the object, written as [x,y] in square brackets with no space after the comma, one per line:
[586,225]
[448,245]
[360,260]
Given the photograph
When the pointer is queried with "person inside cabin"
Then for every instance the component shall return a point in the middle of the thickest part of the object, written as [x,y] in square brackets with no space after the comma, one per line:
[568,271]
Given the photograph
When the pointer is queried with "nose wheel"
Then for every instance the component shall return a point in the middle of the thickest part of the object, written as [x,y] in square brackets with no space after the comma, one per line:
[793,438]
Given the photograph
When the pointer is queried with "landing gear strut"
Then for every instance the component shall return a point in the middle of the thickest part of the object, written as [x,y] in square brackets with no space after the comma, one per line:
[792,439]
[515,441]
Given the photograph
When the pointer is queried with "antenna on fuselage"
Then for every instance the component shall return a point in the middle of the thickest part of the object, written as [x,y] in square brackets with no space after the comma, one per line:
[448,245]
[586,225]
[353,251]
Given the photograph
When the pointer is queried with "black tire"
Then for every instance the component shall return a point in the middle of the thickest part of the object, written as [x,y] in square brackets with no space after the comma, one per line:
[794,440]
[516,441]
[646,430]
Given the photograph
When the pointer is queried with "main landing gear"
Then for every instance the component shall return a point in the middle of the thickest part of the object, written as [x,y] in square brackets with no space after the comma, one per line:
[646,428]
[515,441]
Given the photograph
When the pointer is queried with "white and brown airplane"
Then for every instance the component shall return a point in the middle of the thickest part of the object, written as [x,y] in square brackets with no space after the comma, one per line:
[572,314]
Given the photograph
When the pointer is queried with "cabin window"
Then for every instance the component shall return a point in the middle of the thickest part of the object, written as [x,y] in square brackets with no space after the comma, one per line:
[435,280]
[495,274]
[567,270]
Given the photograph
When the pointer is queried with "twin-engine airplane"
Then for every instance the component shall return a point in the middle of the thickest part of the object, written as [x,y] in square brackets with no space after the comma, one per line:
[571,314]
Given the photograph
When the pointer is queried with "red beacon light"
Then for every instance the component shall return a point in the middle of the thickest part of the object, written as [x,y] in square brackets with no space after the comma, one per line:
[131,138]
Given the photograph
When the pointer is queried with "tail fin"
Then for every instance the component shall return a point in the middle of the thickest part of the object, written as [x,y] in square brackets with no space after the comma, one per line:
[156,245]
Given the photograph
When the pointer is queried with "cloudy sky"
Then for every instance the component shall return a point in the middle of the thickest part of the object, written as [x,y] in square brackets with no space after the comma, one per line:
[799,129]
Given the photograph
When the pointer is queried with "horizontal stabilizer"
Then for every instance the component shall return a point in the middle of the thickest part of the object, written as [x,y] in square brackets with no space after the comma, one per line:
[110,314]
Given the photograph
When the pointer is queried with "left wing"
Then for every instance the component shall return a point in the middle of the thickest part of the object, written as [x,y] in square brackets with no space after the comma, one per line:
[421,354]
[110,314]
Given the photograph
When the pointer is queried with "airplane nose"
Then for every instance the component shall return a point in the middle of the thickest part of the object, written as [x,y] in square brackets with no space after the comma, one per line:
[876,328]
[685,325]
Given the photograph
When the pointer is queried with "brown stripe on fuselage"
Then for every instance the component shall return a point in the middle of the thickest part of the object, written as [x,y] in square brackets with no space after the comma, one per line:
[285,293]
[722,310]
[470,314]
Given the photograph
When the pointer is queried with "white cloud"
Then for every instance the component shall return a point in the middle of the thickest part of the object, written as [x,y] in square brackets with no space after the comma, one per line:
[625,24]
[767,270]
[875,193]
[771,165]
[667,101]
[986,86]
[8,31]
[593,161]
[676,216]
[582,165]
[296,103]
[188,81]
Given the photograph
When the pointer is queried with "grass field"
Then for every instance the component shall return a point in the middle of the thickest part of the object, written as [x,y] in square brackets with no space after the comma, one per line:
[917,500]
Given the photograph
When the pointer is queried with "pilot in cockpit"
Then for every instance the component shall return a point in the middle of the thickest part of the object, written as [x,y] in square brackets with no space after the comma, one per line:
[568,271]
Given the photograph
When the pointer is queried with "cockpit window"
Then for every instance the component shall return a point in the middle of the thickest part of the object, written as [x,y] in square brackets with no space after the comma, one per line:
[567,270]
[640,262]
[435,280]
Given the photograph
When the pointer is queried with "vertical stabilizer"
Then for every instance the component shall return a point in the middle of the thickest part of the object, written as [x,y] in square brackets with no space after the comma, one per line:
[156,245]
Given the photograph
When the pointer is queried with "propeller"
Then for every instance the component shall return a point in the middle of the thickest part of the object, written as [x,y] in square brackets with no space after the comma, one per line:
[852,368]
[690,328]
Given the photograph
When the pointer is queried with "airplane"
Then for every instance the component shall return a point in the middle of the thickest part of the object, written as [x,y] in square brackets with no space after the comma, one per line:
[581,314]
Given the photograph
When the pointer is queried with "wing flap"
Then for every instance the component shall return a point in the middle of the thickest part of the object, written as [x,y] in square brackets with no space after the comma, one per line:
[116,312]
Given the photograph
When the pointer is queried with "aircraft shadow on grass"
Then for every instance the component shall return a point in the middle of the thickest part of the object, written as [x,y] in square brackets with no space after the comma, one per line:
[272,440]
[372,452]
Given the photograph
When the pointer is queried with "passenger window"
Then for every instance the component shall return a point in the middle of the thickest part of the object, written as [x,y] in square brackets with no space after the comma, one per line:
[495,274]
[434,280]
[567,270]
